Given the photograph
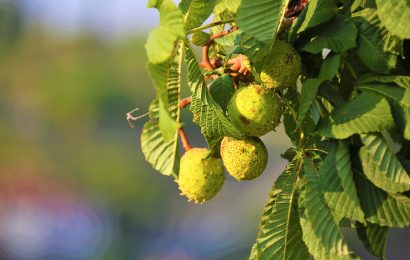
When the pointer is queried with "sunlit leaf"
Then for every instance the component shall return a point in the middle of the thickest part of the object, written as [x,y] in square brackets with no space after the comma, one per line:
[366,113]
[371,42]
[261,18]
[374,238]
[321,232]
[381,166]
[382,208]
[337,185]
[280,234]
[339,34]
[161,41]
[196,11]
[163,153]
[395,16]
[318,12]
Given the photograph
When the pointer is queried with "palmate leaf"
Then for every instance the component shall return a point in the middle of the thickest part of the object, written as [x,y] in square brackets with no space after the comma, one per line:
[321,232]
[196,11]
[161,41]
[280,233]
[395,16]
[207,113]
[339,34]
[337,185]
[380,207]
[371,42]
[366,113]
[373,237]
[261,18]
[318,12]
[161,153]
[381,166]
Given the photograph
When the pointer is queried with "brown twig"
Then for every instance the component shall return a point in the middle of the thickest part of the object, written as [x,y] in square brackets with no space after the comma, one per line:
[184,139]
[206,63]
[184,102]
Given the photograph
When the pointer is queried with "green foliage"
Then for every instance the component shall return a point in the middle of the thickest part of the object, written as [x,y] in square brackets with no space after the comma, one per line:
[381,166]
[207,113]
[159,140]
[280,233]
[196,11]
[338,35]
[395,16]
[374,238]
[318,12]
[366,113]
[371,41]
[261,19]
[161,41]
[337,184]
[344,120]
[321,232]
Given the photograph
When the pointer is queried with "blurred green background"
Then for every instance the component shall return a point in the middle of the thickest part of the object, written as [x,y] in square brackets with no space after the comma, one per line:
[73,181]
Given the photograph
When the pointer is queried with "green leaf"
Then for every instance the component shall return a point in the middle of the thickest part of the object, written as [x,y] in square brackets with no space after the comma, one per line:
[330,66]
[289,118]
[200,38]
[308,95]
[207,113]
[381,166]
[395,16]
[318,12]
[356,4]
[222,90]
[402,81]
[163,154]
[371,42]
[397,94]
[230,6]
[196,11]
[280,234]
[374,238]
[380,207]
[163,75]
[366,113]
[402,118]
[337,185]
[255,50]
[338,35]
[161,41]
[229,40]
[261,18]
[321,232]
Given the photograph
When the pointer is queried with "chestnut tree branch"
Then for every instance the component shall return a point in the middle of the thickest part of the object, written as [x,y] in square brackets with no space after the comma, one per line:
[184,139]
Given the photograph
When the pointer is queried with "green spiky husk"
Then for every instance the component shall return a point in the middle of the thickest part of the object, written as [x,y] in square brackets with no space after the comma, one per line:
[200,176]
[255,110]
[244,159]
[282,67]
